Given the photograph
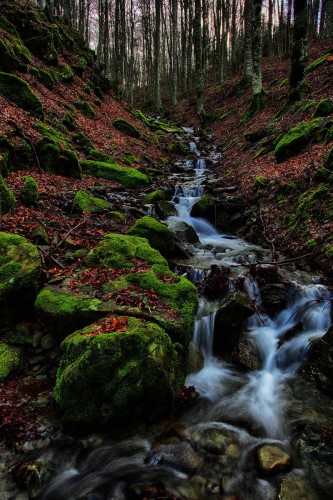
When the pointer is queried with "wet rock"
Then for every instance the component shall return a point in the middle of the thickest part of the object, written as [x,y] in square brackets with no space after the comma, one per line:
[247,354]
[159,235]
[30,474]
[179,455]
[165,209]
[273,460]
[315,447]
[319,368]
[296,488]
[215,441]
[195,358]
[47,342]
[184,233]
[274,295]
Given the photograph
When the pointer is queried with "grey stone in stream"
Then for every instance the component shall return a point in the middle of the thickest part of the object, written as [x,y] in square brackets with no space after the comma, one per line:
[195,358]
[274,295]
[165,209]
[273,460]
[319,368]
[235,309]
[215,441]
[247,354]
[184,233]
[296,488]
[315,448]
[179,455]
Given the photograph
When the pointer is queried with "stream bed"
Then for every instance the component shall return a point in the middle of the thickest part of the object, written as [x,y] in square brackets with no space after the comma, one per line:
[257,431]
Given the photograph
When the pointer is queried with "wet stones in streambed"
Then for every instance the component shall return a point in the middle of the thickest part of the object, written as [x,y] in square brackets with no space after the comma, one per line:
[273,460]
[274,296]
[195,358]
[296,488]
[183,232]
[177,454]
[319,368]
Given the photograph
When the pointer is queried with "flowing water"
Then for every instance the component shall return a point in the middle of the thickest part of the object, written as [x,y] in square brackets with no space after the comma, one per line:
[211,447]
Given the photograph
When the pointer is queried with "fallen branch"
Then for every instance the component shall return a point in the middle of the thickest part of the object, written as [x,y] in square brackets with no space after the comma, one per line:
[47,254]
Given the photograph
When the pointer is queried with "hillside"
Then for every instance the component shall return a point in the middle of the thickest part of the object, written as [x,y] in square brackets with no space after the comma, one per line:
[283,200]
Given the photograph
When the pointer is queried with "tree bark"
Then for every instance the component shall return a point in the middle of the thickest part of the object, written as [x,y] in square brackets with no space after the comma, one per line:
[197,38]
[299,51]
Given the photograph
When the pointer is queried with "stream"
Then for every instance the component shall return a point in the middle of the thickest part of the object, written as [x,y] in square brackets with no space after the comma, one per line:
[235,441]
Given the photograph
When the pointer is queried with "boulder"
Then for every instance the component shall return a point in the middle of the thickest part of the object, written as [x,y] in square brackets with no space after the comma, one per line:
[126,127]
[29,193]
[84,202]
[19,92]
[10,360]
[86,109]
[178,455]
[274,295]
[184,233]
[296,488]
[201,206]
[154,196]
[319,367]
[195,358]
[159,235]
[293,141]
[128,177]
[165,209]
[273,460]
[7,198]
[112,377]
[20,273]
[323,108]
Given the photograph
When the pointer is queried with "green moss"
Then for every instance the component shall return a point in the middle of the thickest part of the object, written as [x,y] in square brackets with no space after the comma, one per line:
[86,109]
[117,377]
[13,54]
[94,154]
[55,153]
[154,196]
[309,198]
[316,64]
[159,235]
[178,147]
[260,181]
[82,142]
[62,73]
[10,360]
[43,47]
[63,312]
[116,250]
[126,127]
[83,202]
[19,92]
[43,76]
[297,137]
[7,198]
[283,82]
[201,206]
[29,193]
[129,159]
[324,108]
[22,155]
[69,122]
[128,177]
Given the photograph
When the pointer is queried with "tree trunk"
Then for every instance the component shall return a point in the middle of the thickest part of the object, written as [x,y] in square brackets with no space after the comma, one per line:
[248,42]
[256,54]
[174,52]
[157,43]
[299,51]
[197,38]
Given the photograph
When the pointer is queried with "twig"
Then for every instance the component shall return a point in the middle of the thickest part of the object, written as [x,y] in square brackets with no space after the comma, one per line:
[69,232]
[285,261]
[47,254]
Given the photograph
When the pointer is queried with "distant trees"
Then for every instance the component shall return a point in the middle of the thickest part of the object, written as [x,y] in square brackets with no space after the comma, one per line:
[155,50]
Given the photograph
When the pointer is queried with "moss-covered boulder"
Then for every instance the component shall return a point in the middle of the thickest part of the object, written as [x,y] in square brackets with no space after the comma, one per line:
[297,137]
[84,202]
[18,91]
[55,153]
[201,206]
[126,127]
[43,76]
[43,47]
[62,73]
[117,376]
[128,177]
[154,196]
[158,234]
[29,193]
[316,63]
[86,109]
[82,142]
[7,198]
[10,360]
[13,54]
[20,272]
[323,108]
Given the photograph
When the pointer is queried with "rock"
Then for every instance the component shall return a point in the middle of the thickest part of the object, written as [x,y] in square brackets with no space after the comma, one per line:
[86,109]
[215,441]
[7,198]
[319,367]
[274,295]
[165,209]
[195,358]
[10,360]
[20,273]
[39,236]
[296,488]
[200,207]
[118,376]
[159,235]
[128,177]
[273,460]
[247,354]
[47,342]
[323,108]
[18,91]
[297,137]
[29,193]
[126,127]
[84,202]
[31,474]
[179,455]
[154,196]
[235,309]
[184,233]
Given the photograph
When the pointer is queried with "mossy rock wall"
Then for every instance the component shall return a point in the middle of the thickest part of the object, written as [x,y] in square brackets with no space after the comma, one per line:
[18,91]
[128,177]
[117,377]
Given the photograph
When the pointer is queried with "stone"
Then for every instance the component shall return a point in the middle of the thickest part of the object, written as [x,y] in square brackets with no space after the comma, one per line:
[10,360]
[296,488]
[18,91]
[84,202]
[274,295]
[126,127]
[319,366]
[296,138]
[201,206]
[29,193]
[195,358]
[178,455]
[165,209]
[159,235]
[184,233]
[273,460]
[7,198]
[129,177]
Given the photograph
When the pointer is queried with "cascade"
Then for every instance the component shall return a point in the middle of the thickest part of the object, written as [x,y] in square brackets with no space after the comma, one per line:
[230,395]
